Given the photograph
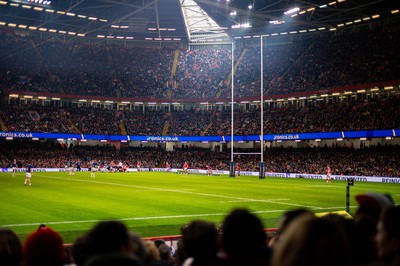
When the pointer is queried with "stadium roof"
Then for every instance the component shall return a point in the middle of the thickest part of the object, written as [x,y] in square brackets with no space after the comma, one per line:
[191,20]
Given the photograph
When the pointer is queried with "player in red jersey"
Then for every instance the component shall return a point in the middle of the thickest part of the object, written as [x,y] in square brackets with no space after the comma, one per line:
[209,170]
[238,169]
[185,168]
[167,167]
[328,174]
[138,166]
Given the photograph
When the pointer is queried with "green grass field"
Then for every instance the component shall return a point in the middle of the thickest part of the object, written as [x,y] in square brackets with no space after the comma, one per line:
[158,204]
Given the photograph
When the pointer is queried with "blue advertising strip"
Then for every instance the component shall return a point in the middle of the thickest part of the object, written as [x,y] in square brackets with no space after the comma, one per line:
[368,134]
[269,137]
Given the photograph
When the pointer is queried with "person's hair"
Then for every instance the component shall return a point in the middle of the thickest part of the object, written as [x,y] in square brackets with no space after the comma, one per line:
[10,248]
[108,237]
[243,235]
[153,253]
[312,241]
[199,240]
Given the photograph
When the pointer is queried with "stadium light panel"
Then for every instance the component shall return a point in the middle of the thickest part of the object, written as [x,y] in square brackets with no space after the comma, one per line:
[38,8]
[35,139]
[396,11]
[21,26]
[123,141]
[294,15]
[26,6]
[103,20]
[279,140]
[335,94]
[324,95]
[61,12]
[339,139]
[42,97]
[129,38]
[349,23]
[348,92]
[302,12]
[302,98]
[9,138]
[3,2]
[322,28]
[293,32]
[360,91]
[13,95]
[82,16]
[302,31]
[323,6]
[103,140]
[14,4]
[43,29]
[12,25]
[317,140]
[389,138]
[332,3]
[340,25]
[388,88]
[56,99]
[92,18]
[375,89]
[70,14]
[375,16]
[363,138]
[357,21]
[28,96]
[49,10]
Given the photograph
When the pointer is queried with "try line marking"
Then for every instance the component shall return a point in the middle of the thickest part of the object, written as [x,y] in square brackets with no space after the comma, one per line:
[152,217]
[92,180]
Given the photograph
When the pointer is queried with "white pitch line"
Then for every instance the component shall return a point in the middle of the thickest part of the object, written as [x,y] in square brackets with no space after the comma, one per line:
[233,201]
[179,191]
[327,186]
[152,218]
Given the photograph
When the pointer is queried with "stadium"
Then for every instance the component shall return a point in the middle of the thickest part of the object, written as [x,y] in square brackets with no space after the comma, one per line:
[169,118]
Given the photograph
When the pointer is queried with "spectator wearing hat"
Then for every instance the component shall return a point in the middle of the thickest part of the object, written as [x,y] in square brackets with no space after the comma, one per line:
[43,247]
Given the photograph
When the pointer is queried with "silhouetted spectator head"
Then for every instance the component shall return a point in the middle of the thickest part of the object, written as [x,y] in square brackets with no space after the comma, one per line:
[243,238]
[114,259]
[388,237]
[43,247]
[79,250]
[138,246]
[314,242]
[108,237]
[10,248]
[199,241]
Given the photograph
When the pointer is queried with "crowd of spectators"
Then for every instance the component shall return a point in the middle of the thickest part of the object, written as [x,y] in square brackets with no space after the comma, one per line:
[365,161]
[380,112]
[311,63]
[302,238]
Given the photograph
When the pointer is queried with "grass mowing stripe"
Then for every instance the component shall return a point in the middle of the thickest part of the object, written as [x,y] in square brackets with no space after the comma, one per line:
[158,217]
[186,192]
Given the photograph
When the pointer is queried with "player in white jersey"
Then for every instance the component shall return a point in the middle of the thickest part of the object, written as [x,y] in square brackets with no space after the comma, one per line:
[14,168]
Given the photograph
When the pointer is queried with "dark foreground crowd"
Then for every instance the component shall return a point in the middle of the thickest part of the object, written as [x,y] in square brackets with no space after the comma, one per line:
[302,238]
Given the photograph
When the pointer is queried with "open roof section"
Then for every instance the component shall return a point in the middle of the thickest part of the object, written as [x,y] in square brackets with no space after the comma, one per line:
[195,21]
[200,27]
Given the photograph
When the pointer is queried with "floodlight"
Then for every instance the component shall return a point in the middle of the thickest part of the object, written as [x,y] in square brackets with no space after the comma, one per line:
[291,11]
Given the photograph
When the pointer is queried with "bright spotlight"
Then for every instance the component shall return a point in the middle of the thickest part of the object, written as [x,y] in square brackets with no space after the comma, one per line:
[250,7]
[233,13]
[291,11]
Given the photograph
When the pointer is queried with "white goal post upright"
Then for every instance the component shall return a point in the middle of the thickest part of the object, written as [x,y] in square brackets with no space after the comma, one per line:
[262,163]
